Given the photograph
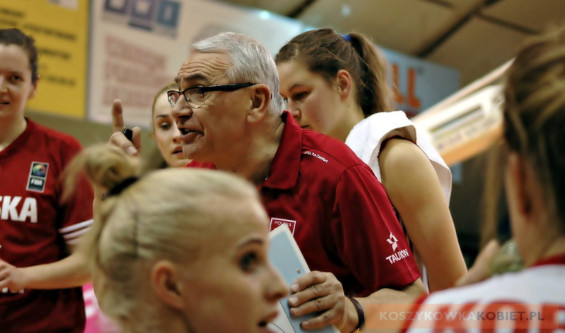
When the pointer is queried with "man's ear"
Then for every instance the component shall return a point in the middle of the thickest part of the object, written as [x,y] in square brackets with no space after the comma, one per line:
[260,100]
[166,282]
[344,83]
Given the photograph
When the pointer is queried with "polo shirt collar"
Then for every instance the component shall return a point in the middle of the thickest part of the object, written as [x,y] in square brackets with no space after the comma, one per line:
[286,164]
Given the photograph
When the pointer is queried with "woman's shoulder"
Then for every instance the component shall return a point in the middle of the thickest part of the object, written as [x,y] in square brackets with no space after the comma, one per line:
[53,138]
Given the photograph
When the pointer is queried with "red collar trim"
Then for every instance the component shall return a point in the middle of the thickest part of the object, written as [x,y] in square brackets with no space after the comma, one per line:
[194,164]
[558,259]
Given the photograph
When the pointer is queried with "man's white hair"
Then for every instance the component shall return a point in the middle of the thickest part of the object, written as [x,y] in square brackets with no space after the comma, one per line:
[251,62]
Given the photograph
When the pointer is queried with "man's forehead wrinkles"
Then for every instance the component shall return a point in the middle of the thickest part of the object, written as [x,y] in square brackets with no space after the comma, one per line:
[194,70]
[192,76]
[210,64]
[202,71]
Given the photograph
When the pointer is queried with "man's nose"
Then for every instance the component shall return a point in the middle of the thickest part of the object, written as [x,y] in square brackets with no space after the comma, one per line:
[3,84]
[181,112]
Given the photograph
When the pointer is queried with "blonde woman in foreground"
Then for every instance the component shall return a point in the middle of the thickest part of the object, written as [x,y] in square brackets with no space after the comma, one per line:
[179,250]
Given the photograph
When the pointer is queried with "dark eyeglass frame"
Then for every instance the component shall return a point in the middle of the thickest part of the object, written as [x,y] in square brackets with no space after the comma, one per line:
[202,90]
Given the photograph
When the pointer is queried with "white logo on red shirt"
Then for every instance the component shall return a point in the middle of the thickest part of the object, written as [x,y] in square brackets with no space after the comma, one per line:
[392,241]
[9,209]
[396,256]
[321,158]
[277,222]
[37,176]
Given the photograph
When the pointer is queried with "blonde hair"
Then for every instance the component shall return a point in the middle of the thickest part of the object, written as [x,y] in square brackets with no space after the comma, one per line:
[162,216]
[534,112]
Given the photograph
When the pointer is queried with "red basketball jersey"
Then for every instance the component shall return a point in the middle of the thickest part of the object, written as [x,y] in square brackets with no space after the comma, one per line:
[36,228]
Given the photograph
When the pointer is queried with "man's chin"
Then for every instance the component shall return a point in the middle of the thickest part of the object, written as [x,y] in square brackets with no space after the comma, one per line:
[194,153]
[189,151]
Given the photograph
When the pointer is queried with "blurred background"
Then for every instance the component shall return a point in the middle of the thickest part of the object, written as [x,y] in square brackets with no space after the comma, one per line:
[472,36]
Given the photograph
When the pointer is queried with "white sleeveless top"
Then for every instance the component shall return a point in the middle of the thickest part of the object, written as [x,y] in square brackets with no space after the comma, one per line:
[367,137]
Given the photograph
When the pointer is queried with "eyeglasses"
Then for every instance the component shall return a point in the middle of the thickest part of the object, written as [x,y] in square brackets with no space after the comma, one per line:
[194,96]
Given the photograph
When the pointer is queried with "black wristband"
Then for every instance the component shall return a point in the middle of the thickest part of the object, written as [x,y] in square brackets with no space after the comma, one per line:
[360,313]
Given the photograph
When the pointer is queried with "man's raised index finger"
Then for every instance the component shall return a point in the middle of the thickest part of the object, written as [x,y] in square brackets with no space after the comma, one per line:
[117,116]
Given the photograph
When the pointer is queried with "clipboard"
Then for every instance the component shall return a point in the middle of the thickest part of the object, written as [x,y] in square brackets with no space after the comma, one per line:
[285,255]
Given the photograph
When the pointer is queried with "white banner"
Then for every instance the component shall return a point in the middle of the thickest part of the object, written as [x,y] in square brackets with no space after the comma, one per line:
[137,46]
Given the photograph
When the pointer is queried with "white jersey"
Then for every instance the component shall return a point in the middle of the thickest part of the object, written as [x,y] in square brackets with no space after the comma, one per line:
[367,137]
[532,300]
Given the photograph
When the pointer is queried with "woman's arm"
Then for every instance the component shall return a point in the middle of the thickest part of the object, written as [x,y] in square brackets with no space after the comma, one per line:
[69,272]
[414,190]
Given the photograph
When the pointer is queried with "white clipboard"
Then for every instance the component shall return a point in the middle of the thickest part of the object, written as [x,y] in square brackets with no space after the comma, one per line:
[288,260]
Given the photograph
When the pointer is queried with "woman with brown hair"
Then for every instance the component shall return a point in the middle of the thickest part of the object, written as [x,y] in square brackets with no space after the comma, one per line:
[337,85]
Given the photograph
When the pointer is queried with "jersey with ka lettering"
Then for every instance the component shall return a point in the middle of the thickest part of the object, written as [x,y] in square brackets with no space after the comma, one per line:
[36,228]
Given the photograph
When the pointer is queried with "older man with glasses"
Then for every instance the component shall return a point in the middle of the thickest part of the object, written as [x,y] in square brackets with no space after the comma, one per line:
[231,117]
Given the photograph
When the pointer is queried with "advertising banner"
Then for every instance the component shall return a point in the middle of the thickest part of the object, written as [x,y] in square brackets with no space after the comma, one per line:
[419,84]
[60,29]
[138,46]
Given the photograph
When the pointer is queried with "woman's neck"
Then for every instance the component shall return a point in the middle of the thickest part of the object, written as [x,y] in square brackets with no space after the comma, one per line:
[556,247]
[541,241]
[14,129]
[353,115]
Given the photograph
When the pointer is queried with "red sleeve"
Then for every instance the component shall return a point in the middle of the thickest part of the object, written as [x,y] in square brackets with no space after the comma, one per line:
[372,240]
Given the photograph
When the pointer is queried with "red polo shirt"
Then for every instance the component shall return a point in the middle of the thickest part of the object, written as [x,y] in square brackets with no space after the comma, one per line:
[338,211]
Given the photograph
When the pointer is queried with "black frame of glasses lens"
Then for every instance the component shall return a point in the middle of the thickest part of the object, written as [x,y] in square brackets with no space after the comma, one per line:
[202,90]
